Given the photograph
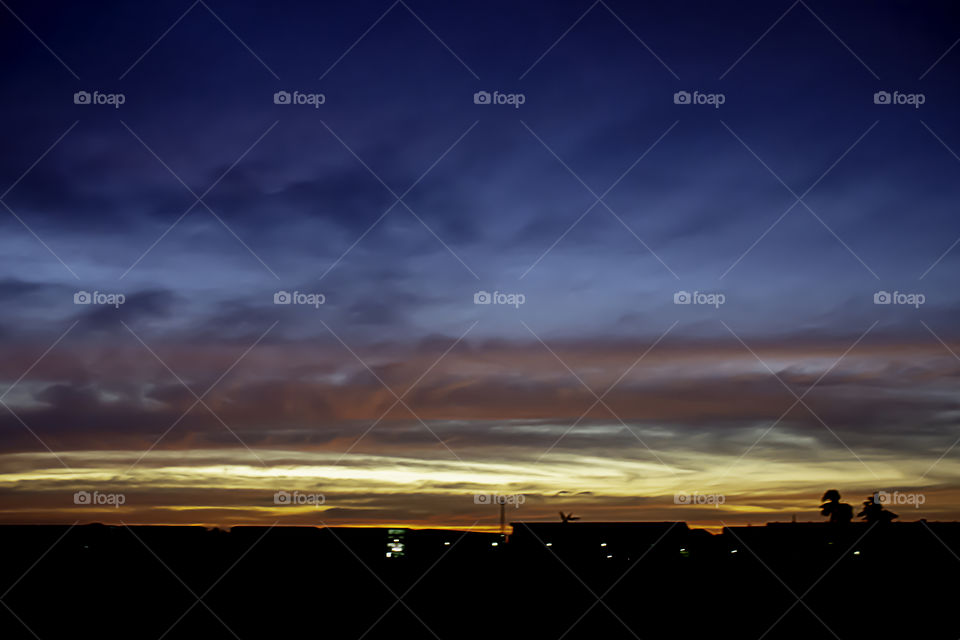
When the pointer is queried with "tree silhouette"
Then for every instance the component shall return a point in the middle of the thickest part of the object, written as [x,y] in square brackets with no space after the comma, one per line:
[873,511]
[839,512]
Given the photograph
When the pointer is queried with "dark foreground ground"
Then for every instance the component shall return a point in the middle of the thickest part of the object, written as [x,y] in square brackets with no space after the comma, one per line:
[660,581]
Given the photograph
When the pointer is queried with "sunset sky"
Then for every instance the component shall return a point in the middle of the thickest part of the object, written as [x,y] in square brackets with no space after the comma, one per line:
[399,198]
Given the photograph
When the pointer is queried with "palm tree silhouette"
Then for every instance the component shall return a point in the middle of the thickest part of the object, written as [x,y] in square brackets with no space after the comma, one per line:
[873,511]
[839,512]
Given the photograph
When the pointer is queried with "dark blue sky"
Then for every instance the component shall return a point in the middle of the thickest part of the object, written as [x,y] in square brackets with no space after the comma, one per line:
[499,199]
[597,199]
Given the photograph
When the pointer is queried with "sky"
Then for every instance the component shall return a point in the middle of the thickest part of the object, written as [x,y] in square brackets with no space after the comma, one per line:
[677,262]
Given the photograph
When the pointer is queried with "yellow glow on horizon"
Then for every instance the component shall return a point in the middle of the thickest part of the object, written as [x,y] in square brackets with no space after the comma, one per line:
[232,490]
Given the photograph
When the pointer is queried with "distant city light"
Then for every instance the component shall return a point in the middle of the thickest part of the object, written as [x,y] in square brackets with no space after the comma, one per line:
[395,543]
